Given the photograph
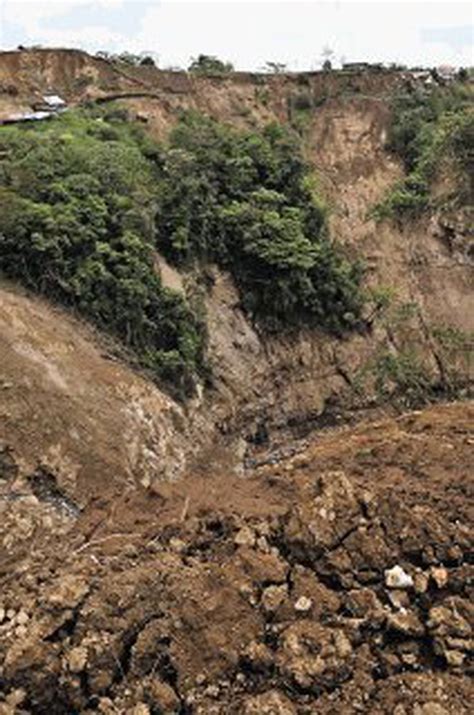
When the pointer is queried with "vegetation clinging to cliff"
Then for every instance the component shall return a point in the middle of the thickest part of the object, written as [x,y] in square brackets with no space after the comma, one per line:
[245,200]
[427,128]
[76,224]
[86,198]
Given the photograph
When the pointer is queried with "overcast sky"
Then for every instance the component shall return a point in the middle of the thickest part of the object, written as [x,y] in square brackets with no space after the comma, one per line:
[249,33]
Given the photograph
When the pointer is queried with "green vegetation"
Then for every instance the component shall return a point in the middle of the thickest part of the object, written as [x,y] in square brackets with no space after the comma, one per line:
[429,127]
[455,349]
[246,201]
[86,199]
[76,224]
[275,67]
[128,58]
[413,363]
[402,377]
[208,64]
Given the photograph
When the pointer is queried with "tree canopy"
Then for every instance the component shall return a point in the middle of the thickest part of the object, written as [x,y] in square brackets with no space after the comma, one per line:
[245,200]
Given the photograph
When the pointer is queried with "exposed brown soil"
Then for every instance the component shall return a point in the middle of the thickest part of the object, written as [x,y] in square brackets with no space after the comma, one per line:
[266,593]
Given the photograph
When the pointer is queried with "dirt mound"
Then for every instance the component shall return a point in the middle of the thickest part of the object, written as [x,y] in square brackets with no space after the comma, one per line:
[334,581]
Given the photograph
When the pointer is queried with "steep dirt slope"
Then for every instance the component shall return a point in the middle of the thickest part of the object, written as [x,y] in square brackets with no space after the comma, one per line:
[292,378]
[68,404]
[334,581]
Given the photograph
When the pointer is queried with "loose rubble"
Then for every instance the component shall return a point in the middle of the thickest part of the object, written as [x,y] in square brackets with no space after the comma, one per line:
[329,583]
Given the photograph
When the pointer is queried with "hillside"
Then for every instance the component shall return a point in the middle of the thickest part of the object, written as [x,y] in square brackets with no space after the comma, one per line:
[179,535]
[426,263]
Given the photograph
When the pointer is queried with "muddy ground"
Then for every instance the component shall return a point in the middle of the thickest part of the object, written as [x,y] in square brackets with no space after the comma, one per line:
[337,580]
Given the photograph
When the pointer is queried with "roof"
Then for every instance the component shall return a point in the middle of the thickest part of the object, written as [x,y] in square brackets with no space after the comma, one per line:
[27,117]
[53,100]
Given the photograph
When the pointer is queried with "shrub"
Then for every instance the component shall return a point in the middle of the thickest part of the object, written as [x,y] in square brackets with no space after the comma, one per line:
[245,201]
[427,127]
[208,64]
[403,377]
[302,102]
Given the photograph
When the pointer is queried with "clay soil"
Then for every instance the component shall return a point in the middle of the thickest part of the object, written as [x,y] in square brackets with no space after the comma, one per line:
[265,593]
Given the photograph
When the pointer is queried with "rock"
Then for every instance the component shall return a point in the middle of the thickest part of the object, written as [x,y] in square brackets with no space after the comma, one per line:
[261,567]
[334,497]
[2,615]
[363,604]
[177,545]
[106,706]
[273,597]
[454,658]
[400,710]
[405,622]
[314,657]
[420,581]
[21,631]
[16,697]
[162,696]
[399,599]
[269,703]
[259,656]
[448,619]
[430,709]
[439,575]
[307,586]
[450,627]
[245,537]
[396,577]
[77,659]
[22,618]
[303,604]
[212,691]
[139,709]
[68,592]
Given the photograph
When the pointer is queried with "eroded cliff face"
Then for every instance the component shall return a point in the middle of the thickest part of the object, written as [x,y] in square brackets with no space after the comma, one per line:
[138,572]
[261,384]
[71,406]
[426,266]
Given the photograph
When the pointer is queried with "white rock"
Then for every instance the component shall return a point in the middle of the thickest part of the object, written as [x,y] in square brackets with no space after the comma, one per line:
[398,578]
[303,604]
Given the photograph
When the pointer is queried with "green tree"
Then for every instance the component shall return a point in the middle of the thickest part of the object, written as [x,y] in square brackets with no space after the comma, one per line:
[76,224]
[209,64]
[245,200]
